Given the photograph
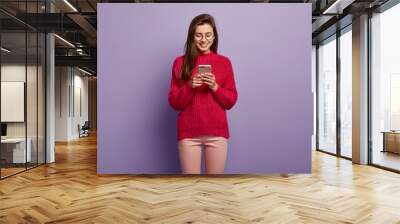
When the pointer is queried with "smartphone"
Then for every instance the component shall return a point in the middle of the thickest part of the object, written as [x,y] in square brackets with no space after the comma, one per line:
[204,69]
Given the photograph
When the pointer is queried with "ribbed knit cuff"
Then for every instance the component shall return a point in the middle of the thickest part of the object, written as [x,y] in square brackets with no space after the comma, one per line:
[217,92]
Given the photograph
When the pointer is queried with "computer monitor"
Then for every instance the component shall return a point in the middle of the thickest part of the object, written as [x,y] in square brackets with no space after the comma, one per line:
[3,129]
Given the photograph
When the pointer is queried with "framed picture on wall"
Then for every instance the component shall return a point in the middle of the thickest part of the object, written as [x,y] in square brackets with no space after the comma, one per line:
[12,101]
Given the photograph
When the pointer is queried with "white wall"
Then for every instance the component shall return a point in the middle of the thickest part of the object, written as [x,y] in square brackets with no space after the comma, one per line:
[79,117]
[70,83]
[9,73]
[62,81]
[33,126]
[16,72]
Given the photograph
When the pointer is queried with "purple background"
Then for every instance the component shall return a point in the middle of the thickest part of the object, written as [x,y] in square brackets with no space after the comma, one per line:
[270,48]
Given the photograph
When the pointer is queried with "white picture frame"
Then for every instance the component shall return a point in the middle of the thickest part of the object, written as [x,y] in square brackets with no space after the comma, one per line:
[12,101]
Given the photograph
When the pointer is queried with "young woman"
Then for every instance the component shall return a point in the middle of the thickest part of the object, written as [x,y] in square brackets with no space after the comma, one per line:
[202,99]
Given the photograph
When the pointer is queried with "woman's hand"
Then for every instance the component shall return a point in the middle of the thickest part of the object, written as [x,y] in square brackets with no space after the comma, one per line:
[209,79]
[196,81]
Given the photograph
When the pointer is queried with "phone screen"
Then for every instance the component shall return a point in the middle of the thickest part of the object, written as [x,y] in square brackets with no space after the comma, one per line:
[204,69]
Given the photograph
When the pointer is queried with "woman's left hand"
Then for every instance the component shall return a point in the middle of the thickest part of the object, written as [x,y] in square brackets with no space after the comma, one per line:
[209,79]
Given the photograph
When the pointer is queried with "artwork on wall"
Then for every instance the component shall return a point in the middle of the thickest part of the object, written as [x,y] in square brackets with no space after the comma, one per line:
[12,101]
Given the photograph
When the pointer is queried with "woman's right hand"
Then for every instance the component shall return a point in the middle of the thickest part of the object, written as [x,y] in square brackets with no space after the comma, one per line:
[196,81]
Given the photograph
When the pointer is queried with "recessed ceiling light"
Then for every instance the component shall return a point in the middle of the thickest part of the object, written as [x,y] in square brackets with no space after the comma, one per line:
[5,50]
[64,40]
[70,5]
[337,7]
[84,71]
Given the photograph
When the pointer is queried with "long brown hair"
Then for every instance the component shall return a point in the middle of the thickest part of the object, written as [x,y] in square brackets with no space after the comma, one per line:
[191,51]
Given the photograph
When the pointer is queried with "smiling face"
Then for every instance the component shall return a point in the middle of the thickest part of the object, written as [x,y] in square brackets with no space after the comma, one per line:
[204,38]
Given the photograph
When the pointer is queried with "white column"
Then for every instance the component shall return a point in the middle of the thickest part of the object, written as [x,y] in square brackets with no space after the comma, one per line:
[50,92]
[63,100]
[360,90]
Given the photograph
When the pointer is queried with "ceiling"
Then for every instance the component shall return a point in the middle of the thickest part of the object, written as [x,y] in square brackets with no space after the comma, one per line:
[76,22]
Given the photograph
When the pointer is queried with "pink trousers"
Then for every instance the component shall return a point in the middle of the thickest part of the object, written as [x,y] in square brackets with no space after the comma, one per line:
[215,154]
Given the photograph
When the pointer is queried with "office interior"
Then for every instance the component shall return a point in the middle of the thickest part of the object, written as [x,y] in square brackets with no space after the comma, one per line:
[32,120]
[48,82]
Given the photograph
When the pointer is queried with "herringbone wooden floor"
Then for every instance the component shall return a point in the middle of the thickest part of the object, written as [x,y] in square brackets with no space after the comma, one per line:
[70,191]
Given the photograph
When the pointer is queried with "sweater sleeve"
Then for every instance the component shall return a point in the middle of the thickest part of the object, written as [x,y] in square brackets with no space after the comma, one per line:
[179,95]
[226,94]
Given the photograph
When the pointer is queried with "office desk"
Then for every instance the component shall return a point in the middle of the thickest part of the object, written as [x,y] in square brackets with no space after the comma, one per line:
[391,141]
[13,150]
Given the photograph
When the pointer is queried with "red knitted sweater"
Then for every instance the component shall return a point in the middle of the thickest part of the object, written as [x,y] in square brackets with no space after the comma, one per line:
[202,111]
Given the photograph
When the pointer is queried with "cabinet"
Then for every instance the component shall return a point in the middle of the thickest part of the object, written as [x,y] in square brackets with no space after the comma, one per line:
[13,150]
[391,141]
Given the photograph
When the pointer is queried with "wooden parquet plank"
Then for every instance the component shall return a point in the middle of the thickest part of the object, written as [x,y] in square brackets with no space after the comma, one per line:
[70,191]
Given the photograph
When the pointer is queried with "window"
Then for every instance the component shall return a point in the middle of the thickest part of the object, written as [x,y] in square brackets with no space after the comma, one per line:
[327,95]
[346,75]
[385,88]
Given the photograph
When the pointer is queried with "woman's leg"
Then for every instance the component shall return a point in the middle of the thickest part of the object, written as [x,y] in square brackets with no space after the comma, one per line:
[215,154]
[190,155]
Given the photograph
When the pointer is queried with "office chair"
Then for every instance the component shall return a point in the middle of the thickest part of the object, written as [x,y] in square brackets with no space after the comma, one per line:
[84,130]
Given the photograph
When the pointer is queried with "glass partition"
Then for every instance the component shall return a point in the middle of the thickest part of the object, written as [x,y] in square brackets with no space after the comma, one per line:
[327,95]
[22,89]
[13,110]
[385,89]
